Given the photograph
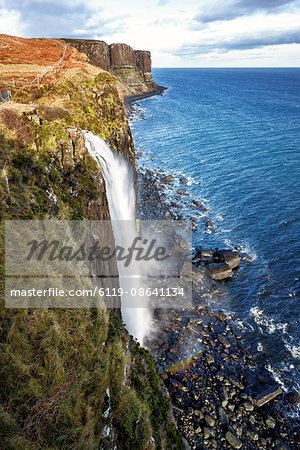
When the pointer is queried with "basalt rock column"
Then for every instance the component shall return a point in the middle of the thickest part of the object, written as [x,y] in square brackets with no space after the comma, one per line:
[143,59]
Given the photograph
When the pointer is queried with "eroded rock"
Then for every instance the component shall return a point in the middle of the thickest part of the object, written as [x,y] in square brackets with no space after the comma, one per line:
[219,271]
[229,257]
[233,440]
[267,395]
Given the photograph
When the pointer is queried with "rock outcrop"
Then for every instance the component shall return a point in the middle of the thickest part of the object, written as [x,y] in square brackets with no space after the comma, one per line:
[98,52]
[143,59]
[132,67]
[122,55]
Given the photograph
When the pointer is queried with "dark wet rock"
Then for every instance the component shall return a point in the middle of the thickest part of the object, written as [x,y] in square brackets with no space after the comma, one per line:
[231,407]
[183,180]
[238,429]
[236,382]
[253,435]
[280,445]
[182,192]
[219,271]
[223,340]
[175,205]
[210,421]
[270,422]
[167,179]
[207,432]
[248,406]
[223,418]
[244,350]
[198,429]
[210,359]
[238,334]
[267,395]
[223,396]
[229,257]
[199,414]
[213,443]
[209,223]
[293,398]
[206,255]
[196,203]
[233,440]
[246,257]
[221,317]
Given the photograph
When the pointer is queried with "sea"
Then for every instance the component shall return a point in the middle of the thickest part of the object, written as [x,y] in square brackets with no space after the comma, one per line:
[234,134]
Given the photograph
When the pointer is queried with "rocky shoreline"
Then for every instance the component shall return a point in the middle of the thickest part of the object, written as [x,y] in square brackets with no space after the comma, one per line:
[129,100]
[222,395]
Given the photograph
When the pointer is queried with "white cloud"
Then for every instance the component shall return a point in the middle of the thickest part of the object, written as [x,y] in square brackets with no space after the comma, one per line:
[166,28]
[10,22]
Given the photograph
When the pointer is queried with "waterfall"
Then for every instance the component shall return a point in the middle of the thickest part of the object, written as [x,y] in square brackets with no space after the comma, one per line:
[120,191]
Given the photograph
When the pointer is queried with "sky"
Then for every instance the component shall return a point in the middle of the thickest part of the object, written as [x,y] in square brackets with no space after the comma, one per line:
[185,33]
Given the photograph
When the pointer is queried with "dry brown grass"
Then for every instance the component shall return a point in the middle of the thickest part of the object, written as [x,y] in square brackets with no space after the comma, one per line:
[18,123]
[23,59]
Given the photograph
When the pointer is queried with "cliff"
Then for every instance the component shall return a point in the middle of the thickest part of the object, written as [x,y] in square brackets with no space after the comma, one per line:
[131,67]
[69,378]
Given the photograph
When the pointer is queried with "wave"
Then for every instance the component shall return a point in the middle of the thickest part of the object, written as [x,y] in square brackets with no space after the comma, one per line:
[266,323]
[292,346]
[276,375]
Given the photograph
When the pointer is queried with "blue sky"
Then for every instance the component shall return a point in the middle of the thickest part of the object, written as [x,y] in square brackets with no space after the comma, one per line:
[186,33]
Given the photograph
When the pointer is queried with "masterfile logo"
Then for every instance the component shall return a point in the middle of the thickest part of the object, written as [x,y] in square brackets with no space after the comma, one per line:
[78,264]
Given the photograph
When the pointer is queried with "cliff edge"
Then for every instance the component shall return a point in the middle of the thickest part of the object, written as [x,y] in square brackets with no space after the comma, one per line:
[131,67]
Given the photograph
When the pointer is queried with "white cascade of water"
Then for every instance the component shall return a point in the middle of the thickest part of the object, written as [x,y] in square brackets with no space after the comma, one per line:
[119,181]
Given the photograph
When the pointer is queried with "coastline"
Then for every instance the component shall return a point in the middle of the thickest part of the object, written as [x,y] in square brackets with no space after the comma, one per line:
[218,384]
[128,100]
[223,367]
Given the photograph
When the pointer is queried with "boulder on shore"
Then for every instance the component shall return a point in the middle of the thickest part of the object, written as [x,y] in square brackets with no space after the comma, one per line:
[229,257]
[233,440]
[267,395]
[167,179]
[219,271]
[182,192]
[294,398]
[183,180]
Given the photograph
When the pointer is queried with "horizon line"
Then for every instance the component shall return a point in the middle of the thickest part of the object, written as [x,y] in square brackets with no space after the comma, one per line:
[227,67]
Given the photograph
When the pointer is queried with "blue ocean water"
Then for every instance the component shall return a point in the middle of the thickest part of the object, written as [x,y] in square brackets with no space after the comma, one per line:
[235,134]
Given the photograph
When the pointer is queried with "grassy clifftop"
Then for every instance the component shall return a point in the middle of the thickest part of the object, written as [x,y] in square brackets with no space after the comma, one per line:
[70,378]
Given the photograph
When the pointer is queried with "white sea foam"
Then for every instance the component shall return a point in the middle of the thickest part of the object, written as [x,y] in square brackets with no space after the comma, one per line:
[266,323]
[276,375]
[293,349]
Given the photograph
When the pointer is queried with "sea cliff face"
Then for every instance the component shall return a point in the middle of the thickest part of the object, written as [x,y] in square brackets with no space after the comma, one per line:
[131,67]
[69,378]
